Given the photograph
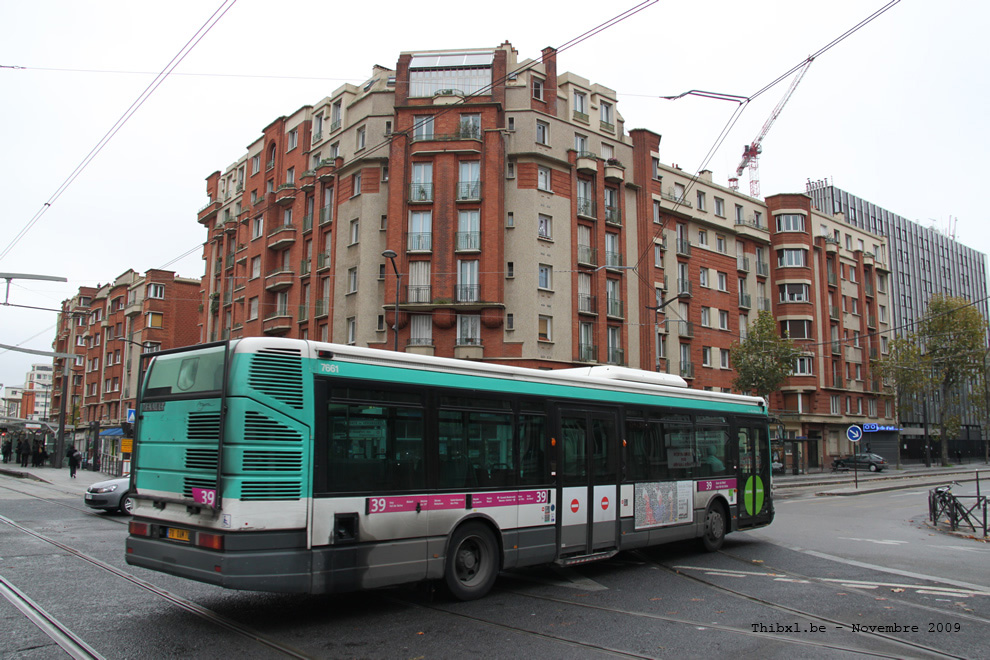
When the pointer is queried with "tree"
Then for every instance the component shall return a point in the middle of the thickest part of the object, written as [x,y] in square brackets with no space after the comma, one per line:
[943,356]
[764,359]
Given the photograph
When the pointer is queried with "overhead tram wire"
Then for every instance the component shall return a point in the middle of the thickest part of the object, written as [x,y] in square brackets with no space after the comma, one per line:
[135,106]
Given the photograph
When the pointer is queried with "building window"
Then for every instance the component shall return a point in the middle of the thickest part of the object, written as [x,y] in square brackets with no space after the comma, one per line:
[581,105]
[470,127]
[544,228]
[545,276]
[544,327]
[658,255]
[355,231]
[702,237]
[701,200]
[795,293]
[803,366]
[154,320]
[723,320]
[792,257]
[542,132]
[723,359]
[720,207]
[352,280]
[834,403]
[723,282]
[510,322]
[608,119]
[510,270]
[720,243]
[796,329]
[739,215]
[255,267]
[537,88]
[706,356]
[257,227]
[543,178]
[361,138]
[469,329]
[293,139]
[255,163]
[703,278]
[156,291]
[351,330]
[656,212]
[356,184]
[790,222]
[706,317]
[420,231]
[290,175]
[421,330]
[252,309]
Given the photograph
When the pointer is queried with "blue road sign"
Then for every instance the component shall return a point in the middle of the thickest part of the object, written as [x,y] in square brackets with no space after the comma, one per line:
[854,433]
[130,415]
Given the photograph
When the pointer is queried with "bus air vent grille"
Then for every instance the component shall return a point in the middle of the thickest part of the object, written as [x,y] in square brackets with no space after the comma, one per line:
[203,426]
[191,482]
[279,374]
[270,490]
[201,459]
[259,428]
[272,461]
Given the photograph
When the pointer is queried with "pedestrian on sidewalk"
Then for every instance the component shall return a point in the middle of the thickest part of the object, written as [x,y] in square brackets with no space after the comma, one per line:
[74,457]
[6,450]
[23,452]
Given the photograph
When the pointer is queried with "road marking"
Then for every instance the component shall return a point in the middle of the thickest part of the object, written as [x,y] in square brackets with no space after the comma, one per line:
[913,492]
[877,541]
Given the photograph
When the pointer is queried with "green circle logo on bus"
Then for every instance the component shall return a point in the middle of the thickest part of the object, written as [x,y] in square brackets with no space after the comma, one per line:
[753,495]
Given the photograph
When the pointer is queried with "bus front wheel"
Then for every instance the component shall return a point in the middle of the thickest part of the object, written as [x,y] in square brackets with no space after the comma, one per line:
[715,522]
[472,562]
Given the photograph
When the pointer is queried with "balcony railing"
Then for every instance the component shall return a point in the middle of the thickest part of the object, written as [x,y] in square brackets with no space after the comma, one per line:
[615,307]
[745,300]
[587,303]
[326,215]
[616,356]
[468,292]
[687,370]
[836,348]
[468,240]
[468,191]
[685,329]
[613,259]
[683,286]
[613,215]
[683,247]
[420,341]
[322,308]
[763,304]
[307,222]
[587,353]
[586,207]
[304,267]
[763,268]
[742,264]
[420,192]
[832,279]
[833,312]
[587,255]
[420,242]
[868,286]
[418,293]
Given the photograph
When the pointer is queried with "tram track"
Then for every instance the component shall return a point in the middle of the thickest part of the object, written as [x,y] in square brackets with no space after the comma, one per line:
[180,602]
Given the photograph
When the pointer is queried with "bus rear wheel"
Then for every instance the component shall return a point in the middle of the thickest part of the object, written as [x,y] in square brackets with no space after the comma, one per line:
[715,522]
[472,562]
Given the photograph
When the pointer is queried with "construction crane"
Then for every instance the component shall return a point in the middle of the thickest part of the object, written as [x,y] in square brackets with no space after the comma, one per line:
[752,151]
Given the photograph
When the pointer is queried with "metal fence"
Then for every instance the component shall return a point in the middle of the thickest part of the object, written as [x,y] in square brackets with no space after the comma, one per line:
[960,511]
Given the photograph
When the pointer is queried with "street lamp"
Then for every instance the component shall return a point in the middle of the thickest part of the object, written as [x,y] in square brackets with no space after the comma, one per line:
[656,319]
[391,255]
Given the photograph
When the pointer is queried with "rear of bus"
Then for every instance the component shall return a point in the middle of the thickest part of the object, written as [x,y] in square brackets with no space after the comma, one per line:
[223,438]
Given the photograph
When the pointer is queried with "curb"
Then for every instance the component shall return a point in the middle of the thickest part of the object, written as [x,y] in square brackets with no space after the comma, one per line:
[929,481]
[17,474]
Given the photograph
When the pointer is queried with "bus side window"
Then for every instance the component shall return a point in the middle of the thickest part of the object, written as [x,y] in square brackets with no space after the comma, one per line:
[532,453]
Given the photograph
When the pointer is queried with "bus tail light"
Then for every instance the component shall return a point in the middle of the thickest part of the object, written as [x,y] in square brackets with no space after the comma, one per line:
[139,528]
[211,541]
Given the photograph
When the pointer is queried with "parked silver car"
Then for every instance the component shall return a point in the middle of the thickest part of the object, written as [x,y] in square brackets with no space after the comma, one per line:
[112,495]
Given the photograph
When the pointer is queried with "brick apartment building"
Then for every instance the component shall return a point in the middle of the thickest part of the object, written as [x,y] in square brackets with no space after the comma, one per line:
[108,327]
[528,227]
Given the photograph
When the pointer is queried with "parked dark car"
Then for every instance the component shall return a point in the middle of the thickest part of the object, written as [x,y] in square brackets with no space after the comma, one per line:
[112,495]
[871,462]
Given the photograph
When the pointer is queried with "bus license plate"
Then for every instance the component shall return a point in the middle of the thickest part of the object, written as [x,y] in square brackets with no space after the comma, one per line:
[178,534]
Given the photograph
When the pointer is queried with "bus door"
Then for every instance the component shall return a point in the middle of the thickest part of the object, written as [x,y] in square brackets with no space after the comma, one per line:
[588,491]
[754,476]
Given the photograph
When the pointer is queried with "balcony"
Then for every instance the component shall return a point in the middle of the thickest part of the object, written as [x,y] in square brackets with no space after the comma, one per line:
[587,304]
[762,269]
[469,191]
[586,207]
[587,162]
[683,287]
[325,169]
[833,280]
[587,353]
[615,308]
[581,117]
[419,294]
[334,125]
[685,329]
[322,261]
[468,241]
[282,237]
[745,301]
[322,308]
[742,264]
[278,323]
[608,127]
[764,304]
[617,356]
[420,192]
[308,222]
[285,194]
[279,280]
[836,347]
[307,180]
[683,247]
[587,255]
[303,313]
[208,212]
[467,293]
[868,287]
[678,199]
[270,165]
[419,242]
[871,321]
[304,267]
[687,370]
[613,259]
[326,215]
[614,171]
[837,381]
[613,215]
[833,312]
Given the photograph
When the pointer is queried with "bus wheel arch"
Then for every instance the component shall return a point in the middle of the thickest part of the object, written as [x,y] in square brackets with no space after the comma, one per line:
[473,559]
[716,525]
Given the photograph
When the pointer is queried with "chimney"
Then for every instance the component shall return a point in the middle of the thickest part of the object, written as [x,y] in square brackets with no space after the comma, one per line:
[550,86]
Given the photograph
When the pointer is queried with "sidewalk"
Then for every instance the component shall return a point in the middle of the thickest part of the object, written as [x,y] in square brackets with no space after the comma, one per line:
[58,477]
[914,476]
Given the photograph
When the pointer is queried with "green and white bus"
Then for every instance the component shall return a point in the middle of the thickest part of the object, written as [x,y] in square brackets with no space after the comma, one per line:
[298,466]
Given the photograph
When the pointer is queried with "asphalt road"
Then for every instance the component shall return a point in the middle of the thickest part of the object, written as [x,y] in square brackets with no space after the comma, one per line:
[795,589]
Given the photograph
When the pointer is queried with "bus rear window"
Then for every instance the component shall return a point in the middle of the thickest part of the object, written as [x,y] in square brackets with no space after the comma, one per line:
[182,374]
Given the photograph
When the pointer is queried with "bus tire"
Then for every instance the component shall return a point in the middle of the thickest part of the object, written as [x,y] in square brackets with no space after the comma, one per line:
[715,526]
[472,562]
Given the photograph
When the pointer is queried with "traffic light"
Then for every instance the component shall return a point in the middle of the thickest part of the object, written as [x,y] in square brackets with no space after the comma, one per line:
[128,429]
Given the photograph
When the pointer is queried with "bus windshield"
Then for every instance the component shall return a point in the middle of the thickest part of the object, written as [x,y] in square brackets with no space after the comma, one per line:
[198,372]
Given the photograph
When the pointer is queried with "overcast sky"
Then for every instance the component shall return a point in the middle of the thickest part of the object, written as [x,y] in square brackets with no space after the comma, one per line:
[896,113]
